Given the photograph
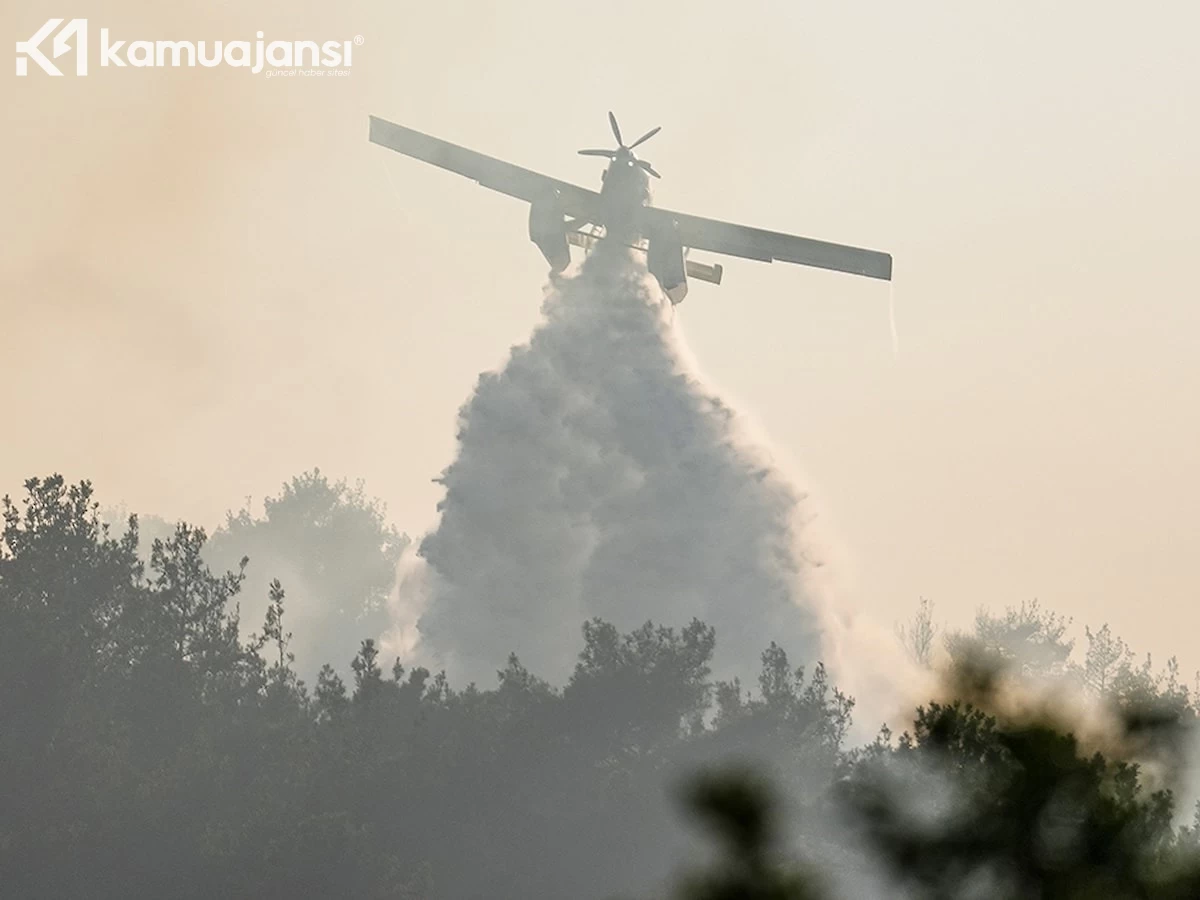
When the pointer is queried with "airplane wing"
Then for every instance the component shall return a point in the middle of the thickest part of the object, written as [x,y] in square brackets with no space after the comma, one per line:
[496,174]
[767,246]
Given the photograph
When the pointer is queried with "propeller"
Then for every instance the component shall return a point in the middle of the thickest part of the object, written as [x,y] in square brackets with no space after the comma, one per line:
[612,154]
[645,137]
[612,120]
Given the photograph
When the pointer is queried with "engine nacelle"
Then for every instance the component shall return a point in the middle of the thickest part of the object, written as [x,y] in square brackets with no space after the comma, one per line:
[664,258]
[547,229]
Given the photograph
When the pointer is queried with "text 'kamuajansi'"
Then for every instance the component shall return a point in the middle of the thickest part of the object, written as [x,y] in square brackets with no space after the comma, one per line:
[254,55]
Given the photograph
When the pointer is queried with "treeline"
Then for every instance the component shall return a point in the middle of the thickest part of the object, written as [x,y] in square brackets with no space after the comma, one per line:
[152,745]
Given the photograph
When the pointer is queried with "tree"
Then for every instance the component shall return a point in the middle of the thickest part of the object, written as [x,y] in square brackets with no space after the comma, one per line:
[739,808]
[191,603]
[1103,659]
[1111,672]
[1027,639]
[979,801]
[793,731]
[917,636]
[638,691]
[334,549]
[67,594]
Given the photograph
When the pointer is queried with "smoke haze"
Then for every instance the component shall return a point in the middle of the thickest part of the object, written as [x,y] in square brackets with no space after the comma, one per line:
[224,255]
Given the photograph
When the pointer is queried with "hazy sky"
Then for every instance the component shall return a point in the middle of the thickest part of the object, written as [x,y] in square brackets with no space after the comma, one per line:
[210,281]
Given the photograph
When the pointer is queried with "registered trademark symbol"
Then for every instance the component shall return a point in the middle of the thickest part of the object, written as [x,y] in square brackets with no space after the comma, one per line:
[359,40]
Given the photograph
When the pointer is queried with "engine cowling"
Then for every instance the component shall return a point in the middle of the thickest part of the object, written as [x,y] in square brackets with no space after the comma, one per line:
[664,258]
[547,229]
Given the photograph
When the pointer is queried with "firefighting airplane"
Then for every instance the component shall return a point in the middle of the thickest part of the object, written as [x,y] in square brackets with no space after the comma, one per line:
[563,214]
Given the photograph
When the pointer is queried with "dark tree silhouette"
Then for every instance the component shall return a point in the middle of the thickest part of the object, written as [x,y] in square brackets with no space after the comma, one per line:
[152,744]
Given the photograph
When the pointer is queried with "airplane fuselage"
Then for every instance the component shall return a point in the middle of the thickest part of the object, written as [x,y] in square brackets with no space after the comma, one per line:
[624,190]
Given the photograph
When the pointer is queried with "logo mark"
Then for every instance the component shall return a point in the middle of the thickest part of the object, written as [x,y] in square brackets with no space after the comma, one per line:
[30,49]
[303,57]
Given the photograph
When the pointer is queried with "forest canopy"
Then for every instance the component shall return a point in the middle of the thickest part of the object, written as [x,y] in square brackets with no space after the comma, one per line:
[152,743]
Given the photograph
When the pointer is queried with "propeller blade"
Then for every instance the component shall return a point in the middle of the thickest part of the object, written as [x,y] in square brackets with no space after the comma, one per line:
[612,120]
[649,168]
[645,137]
[610,154]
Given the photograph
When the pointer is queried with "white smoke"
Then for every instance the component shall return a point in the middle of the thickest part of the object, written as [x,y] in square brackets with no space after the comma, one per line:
[597,476]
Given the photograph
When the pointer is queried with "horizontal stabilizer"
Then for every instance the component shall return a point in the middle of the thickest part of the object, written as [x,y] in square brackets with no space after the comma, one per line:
[698,270]
[704,272]
[579,239]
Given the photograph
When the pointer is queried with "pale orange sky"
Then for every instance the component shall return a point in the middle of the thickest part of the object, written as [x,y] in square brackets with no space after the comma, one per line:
[210,281]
